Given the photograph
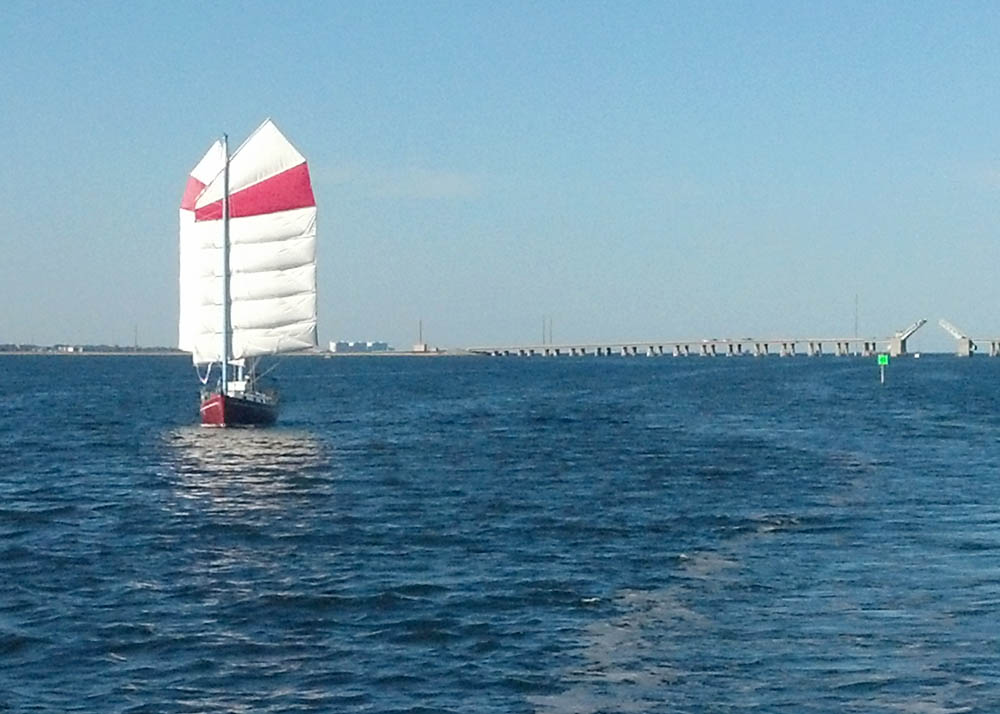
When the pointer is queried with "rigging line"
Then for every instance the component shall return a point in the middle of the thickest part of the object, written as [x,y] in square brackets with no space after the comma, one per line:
[208,372]
[271,368]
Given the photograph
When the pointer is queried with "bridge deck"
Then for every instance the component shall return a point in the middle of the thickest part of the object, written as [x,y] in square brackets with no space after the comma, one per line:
[713,346]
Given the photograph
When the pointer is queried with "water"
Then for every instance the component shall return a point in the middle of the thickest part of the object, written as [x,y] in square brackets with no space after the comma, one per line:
[574,535]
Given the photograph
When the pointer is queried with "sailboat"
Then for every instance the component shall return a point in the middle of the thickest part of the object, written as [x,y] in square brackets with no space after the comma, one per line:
[247,271]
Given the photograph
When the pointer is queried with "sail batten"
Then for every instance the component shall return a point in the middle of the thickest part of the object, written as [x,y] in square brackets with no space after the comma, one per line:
[272,256]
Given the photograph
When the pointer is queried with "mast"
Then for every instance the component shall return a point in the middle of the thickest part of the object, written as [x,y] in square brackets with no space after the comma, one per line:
[227,331]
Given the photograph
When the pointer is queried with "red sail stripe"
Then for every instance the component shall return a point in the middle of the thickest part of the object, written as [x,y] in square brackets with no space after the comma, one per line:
[191,191]
[282,192]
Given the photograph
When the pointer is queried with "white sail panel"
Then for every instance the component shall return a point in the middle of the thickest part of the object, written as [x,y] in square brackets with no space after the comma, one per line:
[200,275]
[210,166]
[262,286]
[274,314]
[265,257]
[273,226]
[278,283]
[205,348]
[266,342]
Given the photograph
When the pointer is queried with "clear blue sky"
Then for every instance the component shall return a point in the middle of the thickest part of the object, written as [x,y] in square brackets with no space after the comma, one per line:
[631,169]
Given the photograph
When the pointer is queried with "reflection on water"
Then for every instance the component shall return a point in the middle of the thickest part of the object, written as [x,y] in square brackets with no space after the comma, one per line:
[242,468]
[630,660]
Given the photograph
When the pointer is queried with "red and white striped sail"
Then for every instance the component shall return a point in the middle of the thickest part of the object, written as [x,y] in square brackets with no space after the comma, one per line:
[272,257]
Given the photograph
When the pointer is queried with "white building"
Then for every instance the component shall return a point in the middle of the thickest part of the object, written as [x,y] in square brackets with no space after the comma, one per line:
[341,346]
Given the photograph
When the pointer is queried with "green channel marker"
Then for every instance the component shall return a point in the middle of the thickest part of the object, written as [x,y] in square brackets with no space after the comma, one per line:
[883,360]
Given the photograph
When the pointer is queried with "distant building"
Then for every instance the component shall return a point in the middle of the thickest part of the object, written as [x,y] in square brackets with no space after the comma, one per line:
[424,348]
[341,346]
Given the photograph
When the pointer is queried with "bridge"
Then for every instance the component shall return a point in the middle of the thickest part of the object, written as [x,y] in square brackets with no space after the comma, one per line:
[712,347]
[967,346]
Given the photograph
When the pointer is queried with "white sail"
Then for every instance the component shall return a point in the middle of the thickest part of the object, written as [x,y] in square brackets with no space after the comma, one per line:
[272,258]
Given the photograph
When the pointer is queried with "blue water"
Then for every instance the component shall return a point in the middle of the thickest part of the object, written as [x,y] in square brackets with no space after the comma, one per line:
[573,535]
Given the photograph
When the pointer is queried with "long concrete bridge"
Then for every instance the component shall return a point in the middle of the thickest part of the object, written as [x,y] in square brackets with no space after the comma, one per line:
[732,347]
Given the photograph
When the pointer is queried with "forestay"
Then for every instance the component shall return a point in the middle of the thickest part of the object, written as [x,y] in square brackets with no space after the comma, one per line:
[272,233]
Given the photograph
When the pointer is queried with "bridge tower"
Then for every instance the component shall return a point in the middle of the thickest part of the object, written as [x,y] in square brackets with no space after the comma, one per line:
[897,343]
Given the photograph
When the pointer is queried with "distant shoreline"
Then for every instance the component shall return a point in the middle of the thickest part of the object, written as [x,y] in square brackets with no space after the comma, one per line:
[154,352]
[47,352]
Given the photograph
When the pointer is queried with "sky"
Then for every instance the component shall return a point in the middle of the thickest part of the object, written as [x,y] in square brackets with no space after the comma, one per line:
[627,170]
